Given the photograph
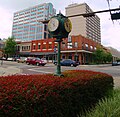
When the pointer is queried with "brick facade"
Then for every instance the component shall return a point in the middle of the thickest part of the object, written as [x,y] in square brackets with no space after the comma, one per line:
[75,47]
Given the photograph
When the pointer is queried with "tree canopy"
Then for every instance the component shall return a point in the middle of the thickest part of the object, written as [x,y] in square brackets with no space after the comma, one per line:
[101,56]
[10,46]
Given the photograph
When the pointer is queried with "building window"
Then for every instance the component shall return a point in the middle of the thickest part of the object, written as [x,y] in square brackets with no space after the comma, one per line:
[22,48]
[18,48]
[63,45]
[39,45]
[70,56]
[76,44]
[50,46]
[69,38]
[56,44]
[25,48]
[29,47]
[63,56]
[44,45]
[82,45]
[69,45]
[91,47]
[86,45]
[34,46]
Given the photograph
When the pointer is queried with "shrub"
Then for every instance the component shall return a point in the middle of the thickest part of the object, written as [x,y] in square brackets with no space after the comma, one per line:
[52,96]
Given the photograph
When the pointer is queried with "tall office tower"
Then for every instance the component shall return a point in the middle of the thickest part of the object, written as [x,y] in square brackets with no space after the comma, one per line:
[86,26]
[26,25]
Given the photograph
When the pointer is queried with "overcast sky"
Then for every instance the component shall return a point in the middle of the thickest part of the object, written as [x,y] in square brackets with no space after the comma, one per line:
[110,30]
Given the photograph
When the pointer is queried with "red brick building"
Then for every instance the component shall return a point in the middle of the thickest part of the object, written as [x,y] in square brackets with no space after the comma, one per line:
[24,48]
[76,48]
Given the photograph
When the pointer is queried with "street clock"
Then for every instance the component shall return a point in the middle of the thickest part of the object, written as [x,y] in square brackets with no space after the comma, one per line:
[59,26]
[53,24]
[68,25]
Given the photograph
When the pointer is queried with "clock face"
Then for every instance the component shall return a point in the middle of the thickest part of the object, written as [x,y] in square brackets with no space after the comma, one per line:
[68,25]
[53,24]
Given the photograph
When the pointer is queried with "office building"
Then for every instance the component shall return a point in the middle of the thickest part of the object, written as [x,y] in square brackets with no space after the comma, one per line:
[88,27]
[27,25]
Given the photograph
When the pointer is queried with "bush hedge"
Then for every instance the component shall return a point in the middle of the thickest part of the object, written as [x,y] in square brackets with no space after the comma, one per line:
[52,96]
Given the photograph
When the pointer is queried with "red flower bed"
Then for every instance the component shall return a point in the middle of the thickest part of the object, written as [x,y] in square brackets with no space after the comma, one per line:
[51,96]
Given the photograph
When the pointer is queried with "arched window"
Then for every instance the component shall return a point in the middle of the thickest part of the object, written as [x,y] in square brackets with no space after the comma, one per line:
[86,45]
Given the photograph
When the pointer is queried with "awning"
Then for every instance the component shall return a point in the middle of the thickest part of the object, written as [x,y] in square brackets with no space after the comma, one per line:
[75,51]
[42,53]
[25,53]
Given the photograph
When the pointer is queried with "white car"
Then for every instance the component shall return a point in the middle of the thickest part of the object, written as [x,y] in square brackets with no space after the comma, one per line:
[43,59]
[10,59]
[22,60]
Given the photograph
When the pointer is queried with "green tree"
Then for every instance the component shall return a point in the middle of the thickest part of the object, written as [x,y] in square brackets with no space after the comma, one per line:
[10,47]
[109,57]
[100,56]
[118,60]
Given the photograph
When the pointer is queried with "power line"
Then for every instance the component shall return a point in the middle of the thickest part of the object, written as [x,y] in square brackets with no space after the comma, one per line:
[114,16]
[93,13]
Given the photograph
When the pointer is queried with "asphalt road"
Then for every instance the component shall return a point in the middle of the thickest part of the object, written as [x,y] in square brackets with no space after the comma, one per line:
[51,68]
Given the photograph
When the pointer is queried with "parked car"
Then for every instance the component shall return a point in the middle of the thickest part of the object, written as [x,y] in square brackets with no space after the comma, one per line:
[3,58]
[21,60]
[115,63]
[44,59]
[35,61]
[68,62]
[10,59]
[55,61]
[16,58]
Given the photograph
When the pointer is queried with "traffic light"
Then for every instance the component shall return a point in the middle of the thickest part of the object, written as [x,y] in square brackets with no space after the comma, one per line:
[115,16]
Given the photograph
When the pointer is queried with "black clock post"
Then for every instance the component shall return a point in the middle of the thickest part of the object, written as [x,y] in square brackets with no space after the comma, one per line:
[59,27]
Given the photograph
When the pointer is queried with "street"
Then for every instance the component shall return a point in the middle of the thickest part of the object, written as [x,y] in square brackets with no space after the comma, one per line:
[51,68]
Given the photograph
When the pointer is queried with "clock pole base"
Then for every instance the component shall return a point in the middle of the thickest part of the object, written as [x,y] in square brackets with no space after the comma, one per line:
[60,75]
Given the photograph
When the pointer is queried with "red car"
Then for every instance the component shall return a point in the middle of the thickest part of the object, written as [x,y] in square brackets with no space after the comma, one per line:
[35,61]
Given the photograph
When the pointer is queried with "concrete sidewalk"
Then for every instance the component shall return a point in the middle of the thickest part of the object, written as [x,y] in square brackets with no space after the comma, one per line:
[5,71]
[117,82]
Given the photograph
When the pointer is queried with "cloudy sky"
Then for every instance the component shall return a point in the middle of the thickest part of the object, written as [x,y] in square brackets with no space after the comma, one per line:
[110,30]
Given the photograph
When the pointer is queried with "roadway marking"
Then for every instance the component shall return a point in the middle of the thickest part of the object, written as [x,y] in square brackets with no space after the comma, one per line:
[39,71]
